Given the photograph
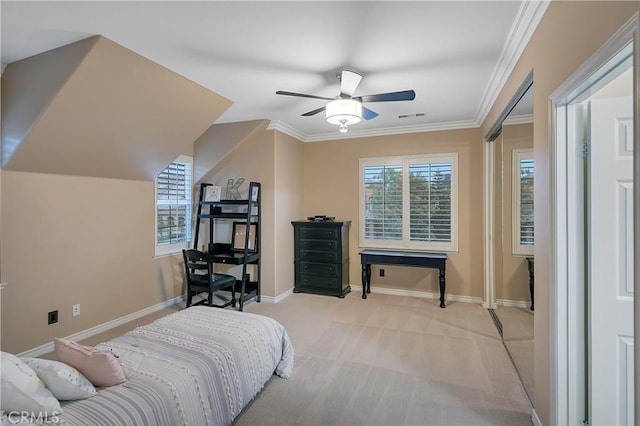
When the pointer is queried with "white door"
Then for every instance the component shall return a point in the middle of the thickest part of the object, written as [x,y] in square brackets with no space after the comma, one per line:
[610,262]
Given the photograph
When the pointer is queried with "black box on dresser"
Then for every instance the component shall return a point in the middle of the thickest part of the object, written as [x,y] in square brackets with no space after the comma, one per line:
[321,250]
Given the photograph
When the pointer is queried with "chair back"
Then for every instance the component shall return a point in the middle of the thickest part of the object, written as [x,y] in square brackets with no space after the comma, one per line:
[200,277]
[196,264]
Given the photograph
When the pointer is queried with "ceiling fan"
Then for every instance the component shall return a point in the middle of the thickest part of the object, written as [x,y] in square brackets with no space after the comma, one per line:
[346,108]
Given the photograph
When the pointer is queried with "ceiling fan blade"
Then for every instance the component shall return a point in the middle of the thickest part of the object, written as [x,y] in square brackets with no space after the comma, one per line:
[405,95]
[367,114]
[301,95]
[349,82]
[314,112]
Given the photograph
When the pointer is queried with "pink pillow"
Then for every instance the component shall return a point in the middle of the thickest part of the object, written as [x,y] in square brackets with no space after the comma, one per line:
[101,368]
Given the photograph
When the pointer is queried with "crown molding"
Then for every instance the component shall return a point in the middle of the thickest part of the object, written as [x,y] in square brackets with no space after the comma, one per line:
[526,22]
[518,119]
[385,131]
[283,127]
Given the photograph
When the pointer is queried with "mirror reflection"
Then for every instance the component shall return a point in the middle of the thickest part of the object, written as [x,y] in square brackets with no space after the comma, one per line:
[514,229]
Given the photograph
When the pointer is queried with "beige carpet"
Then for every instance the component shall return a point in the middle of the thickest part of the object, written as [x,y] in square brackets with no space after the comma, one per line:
[389,360]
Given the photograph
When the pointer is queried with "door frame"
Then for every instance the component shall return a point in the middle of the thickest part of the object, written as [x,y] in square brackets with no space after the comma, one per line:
[489,185]
[489,301]
[567,293]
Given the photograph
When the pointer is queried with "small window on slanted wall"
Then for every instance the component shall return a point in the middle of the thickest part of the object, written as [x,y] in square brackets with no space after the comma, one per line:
[523,202]
[409,202]
[173,206]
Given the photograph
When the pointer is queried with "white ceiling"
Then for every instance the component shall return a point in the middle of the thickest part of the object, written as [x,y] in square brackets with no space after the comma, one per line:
[456,55]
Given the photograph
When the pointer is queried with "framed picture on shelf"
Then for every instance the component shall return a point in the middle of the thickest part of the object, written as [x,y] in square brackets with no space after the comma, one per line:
[212,193]
[239,236]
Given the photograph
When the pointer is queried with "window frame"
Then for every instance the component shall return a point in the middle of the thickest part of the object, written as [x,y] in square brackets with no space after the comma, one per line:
[405,243]
[174,248]
[519,249]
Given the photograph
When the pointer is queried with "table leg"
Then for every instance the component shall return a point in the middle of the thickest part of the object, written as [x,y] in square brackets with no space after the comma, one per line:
[366,280]
[442,287]
[531,286]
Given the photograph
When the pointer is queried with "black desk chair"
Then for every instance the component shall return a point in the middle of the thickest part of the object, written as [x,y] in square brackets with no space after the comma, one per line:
[201,278]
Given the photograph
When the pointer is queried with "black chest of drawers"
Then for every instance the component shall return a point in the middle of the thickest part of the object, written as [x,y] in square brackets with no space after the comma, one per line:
[321,257]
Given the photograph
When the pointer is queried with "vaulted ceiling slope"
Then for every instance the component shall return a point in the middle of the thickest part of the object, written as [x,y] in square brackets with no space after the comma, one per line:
[95,108]
[215,146]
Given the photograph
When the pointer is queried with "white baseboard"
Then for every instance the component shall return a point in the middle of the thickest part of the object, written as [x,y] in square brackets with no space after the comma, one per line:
[420,294]
[277,299]
[513,303]
[89,332]
[534,418]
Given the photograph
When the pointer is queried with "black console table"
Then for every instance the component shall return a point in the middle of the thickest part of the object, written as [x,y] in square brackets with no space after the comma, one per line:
[402,258]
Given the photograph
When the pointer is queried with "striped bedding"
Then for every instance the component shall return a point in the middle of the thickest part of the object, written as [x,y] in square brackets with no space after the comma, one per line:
[199,366]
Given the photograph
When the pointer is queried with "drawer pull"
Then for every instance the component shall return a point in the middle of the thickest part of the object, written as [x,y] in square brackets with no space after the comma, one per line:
[318,243]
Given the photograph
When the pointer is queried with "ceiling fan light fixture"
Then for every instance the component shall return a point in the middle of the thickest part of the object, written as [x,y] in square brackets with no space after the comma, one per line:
[343,112]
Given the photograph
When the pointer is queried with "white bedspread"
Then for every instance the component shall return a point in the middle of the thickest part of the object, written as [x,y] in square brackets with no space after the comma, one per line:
[200,366]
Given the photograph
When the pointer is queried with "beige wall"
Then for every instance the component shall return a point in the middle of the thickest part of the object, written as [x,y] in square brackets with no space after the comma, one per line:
[276,161]
[569,33]
[68,240]
[289,184]
[331,188]
[253,159]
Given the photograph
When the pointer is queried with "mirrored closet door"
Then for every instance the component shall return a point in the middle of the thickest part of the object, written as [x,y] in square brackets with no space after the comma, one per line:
[514,283]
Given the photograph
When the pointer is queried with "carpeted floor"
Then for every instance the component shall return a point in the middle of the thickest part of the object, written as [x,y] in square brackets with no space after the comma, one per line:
[389,360]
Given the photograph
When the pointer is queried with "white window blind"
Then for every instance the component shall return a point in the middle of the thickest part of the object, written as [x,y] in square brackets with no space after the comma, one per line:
[383,202]
[409,202]
[430,202]
[526,202]
[523,227]
[173,206]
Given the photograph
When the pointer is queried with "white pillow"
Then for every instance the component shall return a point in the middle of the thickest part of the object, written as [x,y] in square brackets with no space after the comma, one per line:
[64,381]
[22,391]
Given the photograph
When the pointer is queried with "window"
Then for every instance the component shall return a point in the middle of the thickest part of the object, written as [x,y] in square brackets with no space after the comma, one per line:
[522,202]
[409,202]
[173,206]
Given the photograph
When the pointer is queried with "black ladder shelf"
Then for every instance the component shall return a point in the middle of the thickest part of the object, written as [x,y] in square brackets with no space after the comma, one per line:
[246,223]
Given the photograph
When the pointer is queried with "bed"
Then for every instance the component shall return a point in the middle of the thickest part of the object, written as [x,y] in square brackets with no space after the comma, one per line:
[199,366]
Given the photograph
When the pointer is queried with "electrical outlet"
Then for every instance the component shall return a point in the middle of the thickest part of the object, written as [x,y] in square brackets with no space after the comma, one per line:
[52,317]
[76,310]
[382,272]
